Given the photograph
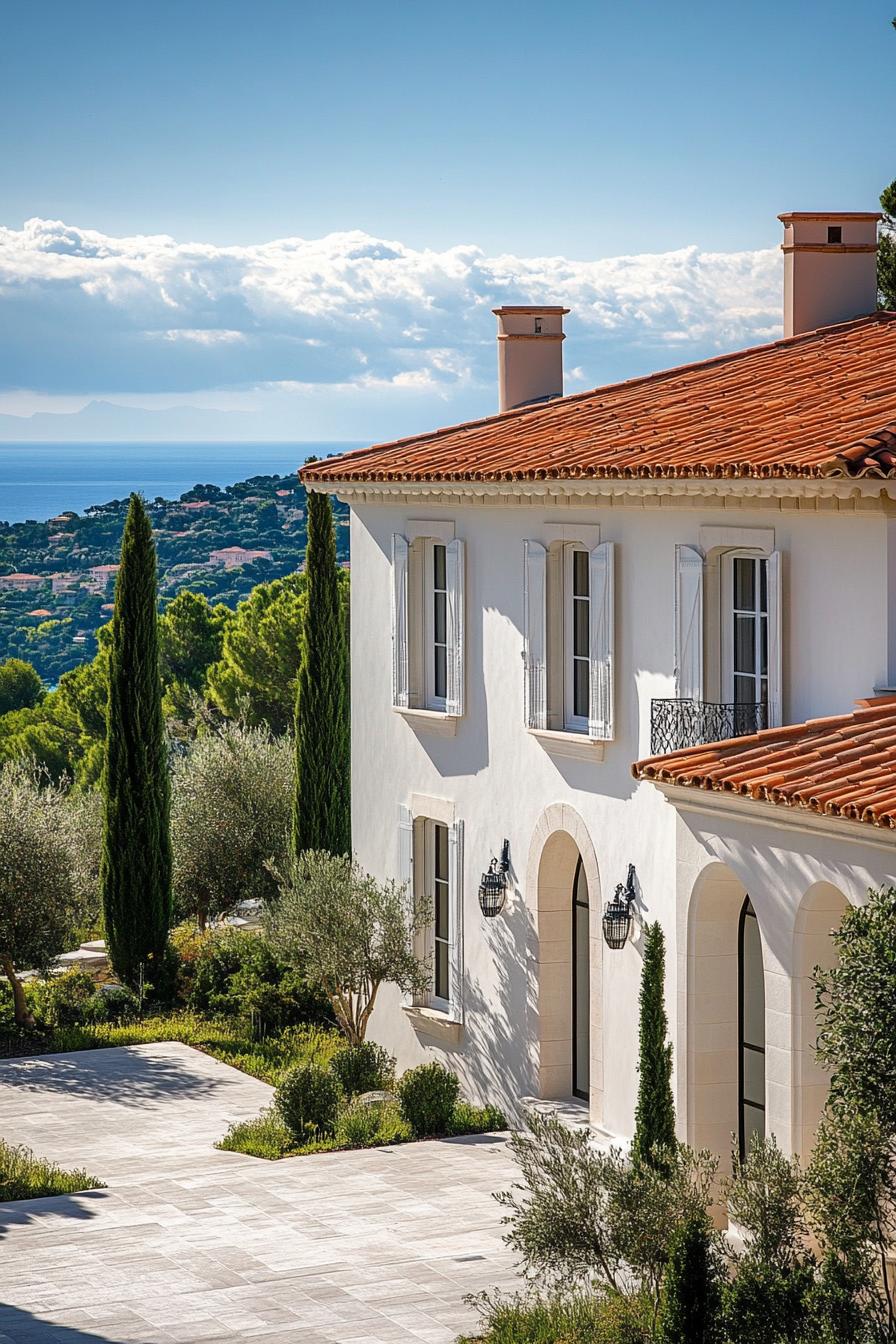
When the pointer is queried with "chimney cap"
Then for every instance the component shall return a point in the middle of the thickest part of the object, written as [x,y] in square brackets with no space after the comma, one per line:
[829,214]
[529,308]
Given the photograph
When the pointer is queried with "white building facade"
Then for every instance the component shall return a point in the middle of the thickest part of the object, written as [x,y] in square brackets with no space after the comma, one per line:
[542,599]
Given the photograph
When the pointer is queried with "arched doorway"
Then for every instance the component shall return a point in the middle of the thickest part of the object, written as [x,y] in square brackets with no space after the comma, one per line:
[751,1029]
[581,984]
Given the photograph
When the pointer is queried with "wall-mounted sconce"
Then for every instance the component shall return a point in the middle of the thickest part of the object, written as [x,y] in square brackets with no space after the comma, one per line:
[617,920]
[493,887]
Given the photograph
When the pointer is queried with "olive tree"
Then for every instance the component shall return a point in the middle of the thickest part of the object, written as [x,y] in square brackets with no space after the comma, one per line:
[46,865]
[349,934]
[230,819]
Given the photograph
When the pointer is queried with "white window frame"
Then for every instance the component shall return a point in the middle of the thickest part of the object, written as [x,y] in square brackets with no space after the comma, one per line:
[431,699]
[572,722]
[727,628]
[413,624]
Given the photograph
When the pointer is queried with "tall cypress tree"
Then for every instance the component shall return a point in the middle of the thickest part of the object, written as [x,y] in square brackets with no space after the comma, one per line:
[691,1299]
[321,816]
[655,1113]
[135,866]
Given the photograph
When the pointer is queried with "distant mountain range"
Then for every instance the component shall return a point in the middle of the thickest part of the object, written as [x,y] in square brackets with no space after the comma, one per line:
[101,421]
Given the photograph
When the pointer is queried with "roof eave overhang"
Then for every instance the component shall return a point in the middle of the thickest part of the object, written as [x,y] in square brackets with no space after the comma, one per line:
[711,803]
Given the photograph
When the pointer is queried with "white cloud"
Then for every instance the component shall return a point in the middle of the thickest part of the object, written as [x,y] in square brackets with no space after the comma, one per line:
[88,312]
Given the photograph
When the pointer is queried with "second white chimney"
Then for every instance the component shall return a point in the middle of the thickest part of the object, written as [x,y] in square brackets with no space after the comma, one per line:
[830,268]
[530,355]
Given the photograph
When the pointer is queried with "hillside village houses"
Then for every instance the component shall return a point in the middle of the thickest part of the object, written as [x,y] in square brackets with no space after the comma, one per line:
[554,610]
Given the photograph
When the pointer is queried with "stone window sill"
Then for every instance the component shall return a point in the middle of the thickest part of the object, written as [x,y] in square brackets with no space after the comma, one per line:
[432,1022]
[429,720]
[578,746]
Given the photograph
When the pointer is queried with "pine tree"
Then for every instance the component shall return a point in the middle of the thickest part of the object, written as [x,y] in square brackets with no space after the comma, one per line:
[321,818]
[886,250]
[690,1303]
[655,1113]
[135,866]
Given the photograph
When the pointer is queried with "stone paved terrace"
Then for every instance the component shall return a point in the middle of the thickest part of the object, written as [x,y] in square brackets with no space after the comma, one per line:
[188,1243]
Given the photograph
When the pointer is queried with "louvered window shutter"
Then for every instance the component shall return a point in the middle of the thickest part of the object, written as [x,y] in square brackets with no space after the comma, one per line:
[775,649]
[688,623]
[454,578]
[456,919]
[406,862]
[399,621]
[601,594]
[535,635]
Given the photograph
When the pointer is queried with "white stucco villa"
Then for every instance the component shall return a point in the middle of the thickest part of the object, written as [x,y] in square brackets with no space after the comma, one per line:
[546,600]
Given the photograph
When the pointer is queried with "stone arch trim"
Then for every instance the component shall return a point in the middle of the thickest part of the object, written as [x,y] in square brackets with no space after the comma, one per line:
[560,834]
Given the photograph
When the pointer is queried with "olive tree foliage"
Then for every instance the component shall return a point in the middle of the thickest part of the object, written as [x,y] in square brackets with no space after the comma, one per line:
[230,818]
[48,865]
[349,934]
[586,1216]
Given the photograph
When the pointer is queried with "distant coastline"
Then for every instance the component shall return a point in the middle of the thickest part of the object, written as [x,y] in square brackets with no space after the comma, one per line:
[40,480]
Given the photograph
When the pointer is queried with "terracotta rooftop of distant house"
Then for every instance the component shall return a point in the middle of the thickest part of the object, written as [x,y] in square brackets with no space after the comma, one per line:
[843,766]
[196,504]
[104,569]
[282,494]
[40,611]
[40,577]
[819,404]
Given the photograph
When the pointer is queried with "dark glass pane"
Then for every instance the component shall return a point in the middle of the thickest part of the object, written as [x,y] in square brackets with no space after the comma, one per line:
[440,617]
[744,644]
[763,585]
[580,636]
[438,566]
[441,920]
[763,646]
[754,1077]
[580,688]
[754,1123]
[581,985]
[441,855]
[440,671]
[744,694]
[441,969]
[744,585]
[580,573]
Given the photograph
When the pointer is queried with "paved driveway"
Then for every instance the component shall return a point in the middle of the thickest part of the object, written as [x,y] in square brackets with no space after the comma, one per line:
[188,1243]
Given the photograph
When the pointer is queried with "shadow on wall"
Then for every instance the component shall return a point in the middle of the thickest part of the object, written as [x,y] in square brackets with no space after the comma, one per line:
[123,1074]
[21,1212]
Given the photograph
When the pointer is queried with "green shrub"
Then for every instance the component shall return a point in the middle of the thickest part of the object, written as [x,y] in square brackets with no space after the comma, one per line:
[427,1096]
[364,1068]
[571,1318]
[264,1136]
[690,1301]
[370,1125]
[238,976]
[765,1304]
[308,1101]
[66,1000]
[468,1119]
[24,1176]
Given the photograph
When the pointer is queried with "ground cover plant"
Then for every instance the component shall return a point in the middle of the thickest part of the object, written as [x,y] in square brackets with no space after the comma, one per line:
[24,1176]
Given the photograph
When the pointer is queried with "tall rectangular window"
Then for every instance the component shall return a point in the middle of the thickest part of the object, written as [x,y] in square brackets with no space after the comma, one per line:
[749,630]
[436,625]
[441,917]
[577,638]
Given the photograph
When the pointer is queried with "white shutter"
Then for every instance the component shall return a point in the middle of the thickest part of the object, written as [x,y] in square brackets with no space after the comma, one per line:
[601,609]
[454,579]
[399,621]
[775,642]
[406,862]
[456,919]
[535,688]
[688,623]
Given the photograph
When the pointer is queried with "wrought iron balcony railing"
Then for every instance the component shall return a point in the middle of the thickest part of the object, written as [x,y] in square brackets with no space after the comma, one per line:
[675,724]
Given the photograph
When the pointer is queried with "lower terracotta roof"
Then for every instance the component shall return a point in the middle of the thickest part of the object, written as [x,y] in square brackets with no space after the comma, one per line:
[819,404]
[843,766]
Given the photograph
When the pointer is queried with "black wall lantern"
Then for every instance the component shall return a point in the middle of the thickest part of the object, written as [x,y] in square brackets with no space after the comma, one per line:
[617,920]
[493,886]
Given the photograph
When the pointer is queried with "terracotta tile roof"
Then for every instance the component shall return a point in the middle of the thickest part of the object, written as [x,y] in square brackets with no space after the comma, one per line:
[823,403]
[838,767]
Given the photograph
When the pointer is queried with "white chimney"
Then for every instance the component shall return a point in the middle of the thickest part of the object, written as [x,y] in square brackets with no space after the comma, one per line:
[530,355]
[830,268]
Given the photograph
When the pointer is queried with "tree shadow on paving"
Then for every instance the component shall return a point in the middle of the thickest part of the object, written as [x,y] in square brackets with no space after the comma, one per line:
[21,1326]
[20,1212]
[131,1079]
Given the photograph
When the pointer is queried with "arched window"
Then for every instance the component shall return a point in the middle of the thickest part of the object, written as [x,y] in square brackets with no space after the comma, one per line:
[581,984]
[751,1029]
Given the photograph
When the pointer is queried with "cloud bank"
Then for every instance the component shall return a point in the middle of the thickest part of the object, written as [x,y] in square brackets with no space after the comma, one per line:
[84,313]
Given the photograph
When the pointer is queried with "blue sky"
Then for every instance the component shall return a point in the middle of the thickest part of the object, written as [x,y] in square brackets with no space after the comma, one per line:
[425,162]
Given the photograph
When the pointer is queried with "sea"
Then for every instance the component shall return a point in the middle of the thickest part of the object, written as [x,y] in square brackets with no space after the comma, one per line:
[40,480]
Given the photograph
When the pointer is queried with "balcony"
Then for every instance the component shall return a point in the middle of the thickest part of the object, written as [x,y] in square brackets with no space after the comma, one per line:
[676,724]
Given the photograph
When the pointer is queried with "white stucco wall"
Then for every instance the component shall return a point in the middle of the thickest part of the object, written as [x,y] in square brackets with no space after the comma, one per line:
[502,779]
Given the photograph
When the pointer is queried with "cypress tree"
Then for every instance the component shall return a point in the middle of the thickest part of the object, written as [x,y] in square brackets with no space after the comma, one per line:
[655,1113]
[135,865]
[321,816]
[691,1301]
